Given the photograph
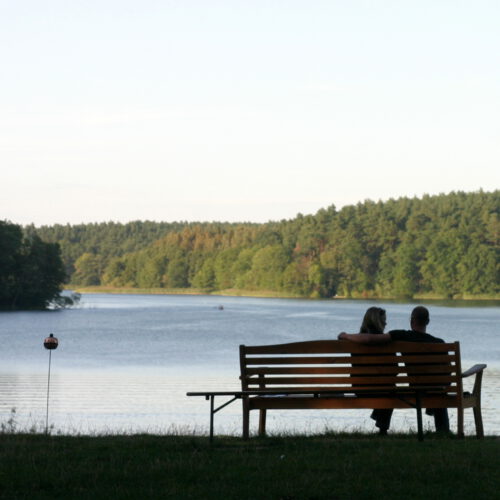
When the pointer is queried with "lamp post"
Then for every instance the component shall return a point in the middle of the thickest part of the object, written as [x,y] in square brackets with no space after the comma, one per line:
[49,343]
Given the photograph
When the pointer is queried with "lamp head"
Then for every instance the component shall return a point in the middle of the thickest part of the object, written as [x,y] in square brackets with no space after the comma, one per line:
[51,342]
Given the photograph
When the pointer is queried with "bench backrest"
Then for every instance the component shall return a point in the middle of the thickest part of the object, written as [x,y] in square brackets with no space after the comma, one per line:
[339,365]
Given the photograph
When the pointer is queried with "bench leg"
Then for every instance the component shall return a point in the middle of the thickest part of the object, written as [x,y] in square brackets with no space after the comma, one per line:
[476,392]
[460,422]
[212,418]
[478,420]
[420,426]
[246,418]
[262,422]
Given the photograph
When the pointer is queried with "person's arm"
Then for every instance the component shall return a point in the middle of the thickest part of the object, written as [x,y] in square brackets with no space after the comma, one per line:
[366,338]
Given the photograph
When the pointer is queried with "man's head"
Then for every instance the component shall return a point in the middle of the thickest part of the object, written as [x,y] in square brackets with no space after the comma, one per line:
[419,319]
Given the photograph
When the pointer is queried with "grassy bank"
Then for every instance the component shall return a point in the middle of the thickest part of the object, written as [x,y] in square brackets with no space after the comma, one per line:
[295,467]
[233,292]
[236,292]
[142,291]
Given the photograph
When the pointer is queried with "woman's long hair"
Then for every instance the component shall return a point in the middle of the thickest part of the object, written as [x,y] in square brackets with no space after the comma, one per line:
[373,321]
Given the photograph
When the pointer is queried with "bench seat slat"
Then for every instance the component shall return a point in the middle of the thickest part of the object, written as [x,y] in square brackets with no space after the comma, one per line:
[349,402]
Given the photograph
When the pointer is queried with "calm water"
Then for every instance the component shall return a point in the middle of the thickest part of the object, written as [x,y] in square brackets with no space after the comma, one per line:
[125,362]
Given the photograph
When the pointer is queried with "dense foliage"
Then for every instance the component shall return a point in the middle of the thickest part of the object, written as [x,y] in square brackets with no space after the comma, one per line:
[87,249]
[446,245]
[31,270]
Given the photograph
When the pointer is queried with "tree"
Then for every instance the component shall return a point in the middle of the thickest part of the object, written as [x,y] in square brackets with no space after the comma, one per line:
[150,271]
[268,265]
[177,271]
[11,237]
[88,269]
[113,273]
[241,268]
[480,270]
[439,269]
[31,270]
[316,279]
[224,278]
[406,273]
[42,274]
[205,277]
[295,279]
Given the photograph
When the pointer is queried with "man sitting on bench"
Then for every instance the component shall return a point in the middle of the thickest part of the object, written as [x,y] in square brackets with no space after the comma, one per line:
[418,323]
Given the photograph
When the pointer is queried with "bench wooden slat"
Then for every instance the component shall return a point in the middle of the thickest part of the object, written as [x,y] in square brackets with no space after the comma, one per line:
[350,402]
[436,358]
[344,346]
[267,370]
[289,381]
[347,388]
[330,360]
[360,391]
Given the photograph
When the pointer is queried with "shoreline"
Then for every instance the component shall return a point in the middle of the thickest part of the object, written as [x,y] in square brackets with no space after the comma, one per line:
[275,295]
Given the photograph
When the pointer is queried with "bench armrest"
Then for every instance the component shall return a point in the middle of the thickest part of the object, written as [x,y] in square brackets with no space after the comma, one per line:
[476,370]
[473,370]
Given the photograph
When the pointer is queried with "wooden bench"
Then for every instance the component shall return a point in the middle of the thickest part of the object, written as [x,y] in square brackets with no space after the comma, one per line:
[338,374]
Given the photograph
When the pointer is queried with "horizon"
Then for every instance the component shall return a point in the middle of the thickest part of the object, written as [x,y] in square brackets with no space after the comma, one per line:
[234,112]
[337,208]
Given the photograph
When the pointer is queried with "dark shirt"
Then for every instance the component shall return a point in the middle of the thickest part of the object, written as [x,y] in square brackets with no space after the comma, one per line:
[413,336]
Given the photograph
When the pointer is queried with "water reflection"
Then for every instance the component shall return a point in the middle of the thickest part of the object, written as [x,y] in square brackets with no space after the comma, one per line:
[106,402]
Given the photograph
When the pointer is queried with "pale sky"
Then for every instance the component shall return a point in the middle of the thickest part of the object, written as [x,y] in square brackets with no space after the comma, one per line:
[233,110]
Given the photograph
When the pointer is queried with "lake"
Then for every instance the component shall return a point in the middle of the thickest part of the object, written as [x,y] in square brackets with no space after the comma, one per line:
[125,362]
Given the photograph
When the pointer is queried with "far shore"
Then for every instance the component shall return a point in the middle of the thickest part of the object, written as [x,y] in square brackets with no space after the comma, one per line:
[233,292]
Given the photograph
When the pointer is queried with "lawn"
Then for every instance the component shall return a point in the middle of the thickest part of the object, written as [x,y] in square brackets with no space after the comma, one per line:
[331,466]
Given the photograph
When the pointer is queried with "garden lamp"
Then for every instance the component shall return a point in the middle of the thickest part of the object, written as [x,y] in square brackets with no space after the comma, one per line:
[49,343]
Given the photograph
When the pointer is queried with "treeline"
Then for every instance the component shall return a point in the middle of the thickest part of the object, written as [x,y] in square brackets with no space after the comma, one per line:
[31,270]
[446,245]
[87,249]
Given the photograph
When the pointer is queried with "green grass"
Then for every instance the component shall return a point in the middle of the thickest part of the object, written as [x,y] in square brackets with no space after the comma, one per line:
[332,466]
[231,292]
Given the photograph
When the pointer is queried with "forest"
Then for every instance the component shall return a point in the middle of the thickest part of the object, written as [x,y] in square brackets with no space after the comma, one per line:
[31,270]
[442,245]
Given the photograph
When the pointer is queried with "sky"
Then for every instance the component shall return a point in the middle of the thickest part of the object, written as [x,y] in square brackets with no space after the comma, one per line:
[233,110]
